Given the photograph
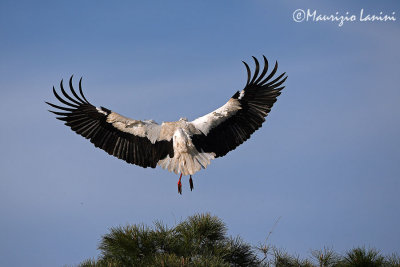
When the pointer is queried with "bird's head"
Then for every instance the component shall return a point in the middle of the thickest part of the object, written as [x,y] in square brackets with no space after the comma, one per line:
[183,119]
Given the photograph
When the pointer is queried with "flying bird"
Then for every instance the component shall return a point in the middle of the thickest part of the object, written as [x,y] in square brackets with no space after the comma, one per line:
[182,146]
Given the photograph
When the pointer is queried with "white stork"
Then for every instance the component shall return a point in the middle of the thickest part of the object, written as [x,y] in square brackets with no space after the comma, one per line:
[182,146]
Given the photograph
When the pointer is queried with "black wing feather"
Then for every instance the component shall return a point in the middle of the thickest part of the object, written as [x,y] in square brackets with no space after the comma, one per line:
[84,119]
[260,93]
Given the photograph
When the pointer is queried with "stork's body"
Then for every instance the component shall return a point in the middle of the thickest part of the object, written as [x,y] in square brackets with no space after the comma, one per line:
[187,159]
[183,146]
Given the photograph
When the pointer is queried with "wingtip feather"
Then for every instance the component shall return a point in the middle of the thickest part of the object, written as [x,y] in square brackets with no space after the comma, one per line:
[248,73]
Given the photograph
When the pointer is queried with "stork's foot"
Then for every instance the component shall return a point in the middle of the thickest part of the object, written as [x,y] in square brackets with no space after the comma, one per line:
[191,183]
[180,185]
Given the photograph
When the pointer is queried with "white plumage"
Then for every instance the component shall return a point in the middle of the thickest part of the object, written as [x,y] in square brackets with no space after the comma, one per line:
[181,147]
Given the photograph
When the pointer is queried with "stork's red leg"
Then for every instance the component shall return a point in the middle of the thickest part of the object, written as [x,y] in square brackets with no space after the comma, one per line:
[180,185]
[191,183]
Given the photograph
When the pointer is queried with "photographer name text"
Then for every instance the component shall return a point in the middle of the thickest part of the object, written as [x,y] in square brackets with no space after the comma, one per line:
[301,15]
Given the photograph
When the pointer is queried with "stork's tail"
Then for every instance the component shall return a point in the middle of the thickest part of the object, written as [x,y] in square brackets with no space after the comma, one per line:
[187,164]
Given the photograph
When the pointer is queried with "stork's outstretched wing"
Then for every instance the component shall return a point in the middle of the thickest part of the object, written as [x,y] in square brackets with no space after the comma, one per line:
[229,126]
[134,141]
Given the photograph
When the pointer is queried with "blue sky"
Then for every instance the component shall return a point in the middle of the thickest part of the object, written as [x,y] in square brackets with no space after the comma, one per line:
[326,161]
